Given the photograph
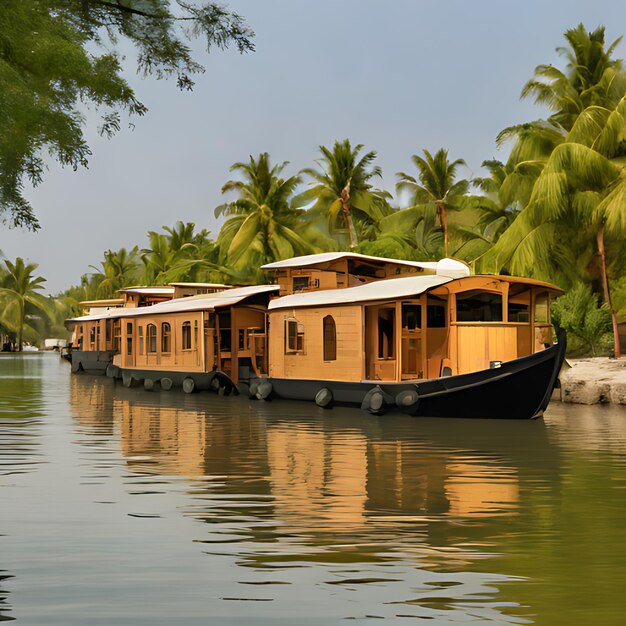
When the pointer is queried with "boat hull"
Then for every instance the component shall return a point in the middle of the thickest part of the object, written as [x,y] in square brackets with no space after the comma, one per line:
[91,361]
[518,389]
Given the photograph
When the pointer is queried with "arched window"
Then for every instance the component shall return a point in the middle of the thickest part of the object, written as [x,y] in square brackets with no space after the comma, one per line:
[186,336]
[330,339]
[151,338]
[166,337]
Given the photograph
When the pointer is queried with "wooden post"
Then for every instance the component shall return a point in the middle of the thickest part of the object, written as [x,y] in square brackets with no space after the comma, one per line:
[424,330]
[398,333]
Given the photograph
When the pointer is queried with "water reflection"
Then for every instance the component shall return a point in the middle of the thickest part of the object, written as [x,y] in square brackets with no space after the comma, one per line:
[352,511]
[340,515]
[5,609]
[21,402]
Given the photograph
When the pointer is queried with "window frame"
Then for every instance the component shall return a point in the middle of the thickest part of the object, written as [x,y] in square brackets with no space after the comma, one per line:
[166,338]
[151,339]
[329,326]
[185,336]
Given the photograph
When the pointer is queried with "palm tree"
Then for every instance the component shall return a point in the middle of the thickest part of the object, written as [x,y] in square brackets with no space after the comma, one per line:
[436,185]
[591,77]
[20,290]
[262,225]
[581,190]
[341,189]
[119,269]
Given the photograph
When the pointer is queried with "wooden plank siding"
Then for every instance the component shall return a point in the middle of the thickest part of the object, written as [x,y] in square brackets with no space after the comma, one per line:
[309,364]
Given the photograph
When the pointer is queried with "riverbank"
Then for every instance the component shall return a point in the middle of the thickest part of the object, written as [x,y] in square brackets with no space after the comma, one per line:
[597,380]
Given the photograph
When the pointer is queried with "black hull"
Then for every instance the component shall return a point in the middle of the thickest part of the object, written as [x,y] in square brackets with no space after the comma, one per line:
[91,361]
[518,389]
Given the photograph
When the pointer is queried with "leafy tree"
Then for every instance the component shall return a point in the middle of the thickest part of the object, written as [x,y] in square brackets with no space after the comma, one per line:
[119,269]
[436,185]
[580,314]
[341,192]
[262,225]
[591,77]
[20,294]
[59,56]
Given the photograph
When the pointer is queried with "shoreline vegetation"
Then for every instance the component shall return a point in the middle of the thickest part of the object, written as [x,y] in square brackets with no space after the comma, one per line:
[555,210]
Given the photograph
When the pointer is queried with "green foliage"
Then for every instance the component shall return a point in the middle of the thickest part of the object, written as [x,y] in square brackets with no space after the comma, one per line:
[20,300]
[436,186]
[59,56]
[587,322]
[263,224]
[341,194]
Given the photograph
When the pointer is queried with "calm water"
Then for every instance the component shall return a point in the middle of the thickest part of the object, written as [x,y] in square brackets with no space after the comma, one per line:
[126,507]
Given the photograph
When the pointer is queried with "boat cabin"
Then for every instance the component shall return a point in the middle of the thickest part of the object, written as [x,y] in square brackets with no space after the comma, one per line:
[224,331]
[340,270]
[145,296]
[184,290]
[417,325]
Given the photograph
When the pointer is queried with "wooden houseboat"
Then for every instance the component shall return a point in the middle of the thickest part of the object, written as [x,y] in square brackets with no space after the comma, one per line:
[427,338]
[96,339]
[206,341]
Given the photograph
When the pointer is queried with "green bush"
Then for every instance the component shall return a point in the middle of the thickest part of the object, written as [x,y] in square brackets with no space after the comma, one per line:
[587,323]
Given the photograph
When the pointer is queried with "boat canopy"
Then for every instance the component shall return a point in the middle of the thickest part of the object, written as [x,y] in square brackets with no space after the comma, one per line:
[404,287]
[149,291]
[445,267]
[201,302]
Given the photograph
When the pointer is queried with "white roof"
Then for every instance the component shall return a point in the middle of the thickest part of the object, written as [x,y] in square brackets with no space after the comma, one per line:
[390,289]
[207,301]
[204,285]
[159,291]
[328,257]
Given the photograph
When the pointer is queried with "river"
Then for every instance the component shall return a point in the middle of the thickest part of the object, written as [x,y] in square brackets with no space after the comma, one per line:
[121,506]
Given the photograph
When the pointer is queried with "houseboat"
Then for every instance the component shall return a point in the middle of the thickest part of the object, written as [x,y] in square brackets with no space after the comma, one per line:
[426,338]
[205,341]
[96,338]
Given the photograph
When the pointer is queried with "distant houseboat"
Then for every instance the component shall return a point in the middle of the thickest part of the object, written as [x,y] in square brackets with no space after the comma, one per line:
[344,328]
[204,341]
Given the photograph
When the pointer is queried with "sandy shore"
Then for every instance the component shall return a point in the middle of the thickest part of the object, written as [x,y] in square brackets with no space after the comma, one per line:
[594,381]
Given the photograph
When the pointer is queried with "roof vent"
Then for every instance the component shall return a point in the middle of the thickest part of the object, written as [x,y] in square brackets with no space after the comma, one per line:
[452,268]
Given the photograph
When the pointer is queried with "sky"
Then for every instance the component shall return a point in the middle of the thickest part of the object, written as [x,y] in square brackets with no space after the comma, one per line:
[395,75]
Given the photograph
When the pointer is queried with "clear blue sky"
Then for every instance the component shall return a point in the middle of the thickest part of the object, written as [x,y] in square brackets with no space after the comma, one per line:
[395,75]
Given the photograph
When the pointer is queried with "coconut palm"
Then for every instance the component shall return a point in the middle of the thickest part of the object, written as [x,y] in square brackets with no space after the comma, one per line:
[436,185]
[262,225]
[341,193]
[591,77]
[581,192]
[118,270]
[20,292]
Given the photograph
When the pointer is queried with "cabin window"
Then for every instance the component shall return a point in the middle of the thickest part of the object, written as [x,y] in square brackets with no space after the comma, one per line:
[386,324]
[186,336]
[411,316]
[97,335]
[294,336]
[542,311]
[166,337]
[223,320]
[330,339]
[117,335]
[151,338]
[195,335]
[436,315]
[519,306]
[300,283]
[479,306]
[92,338]
[140,332]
